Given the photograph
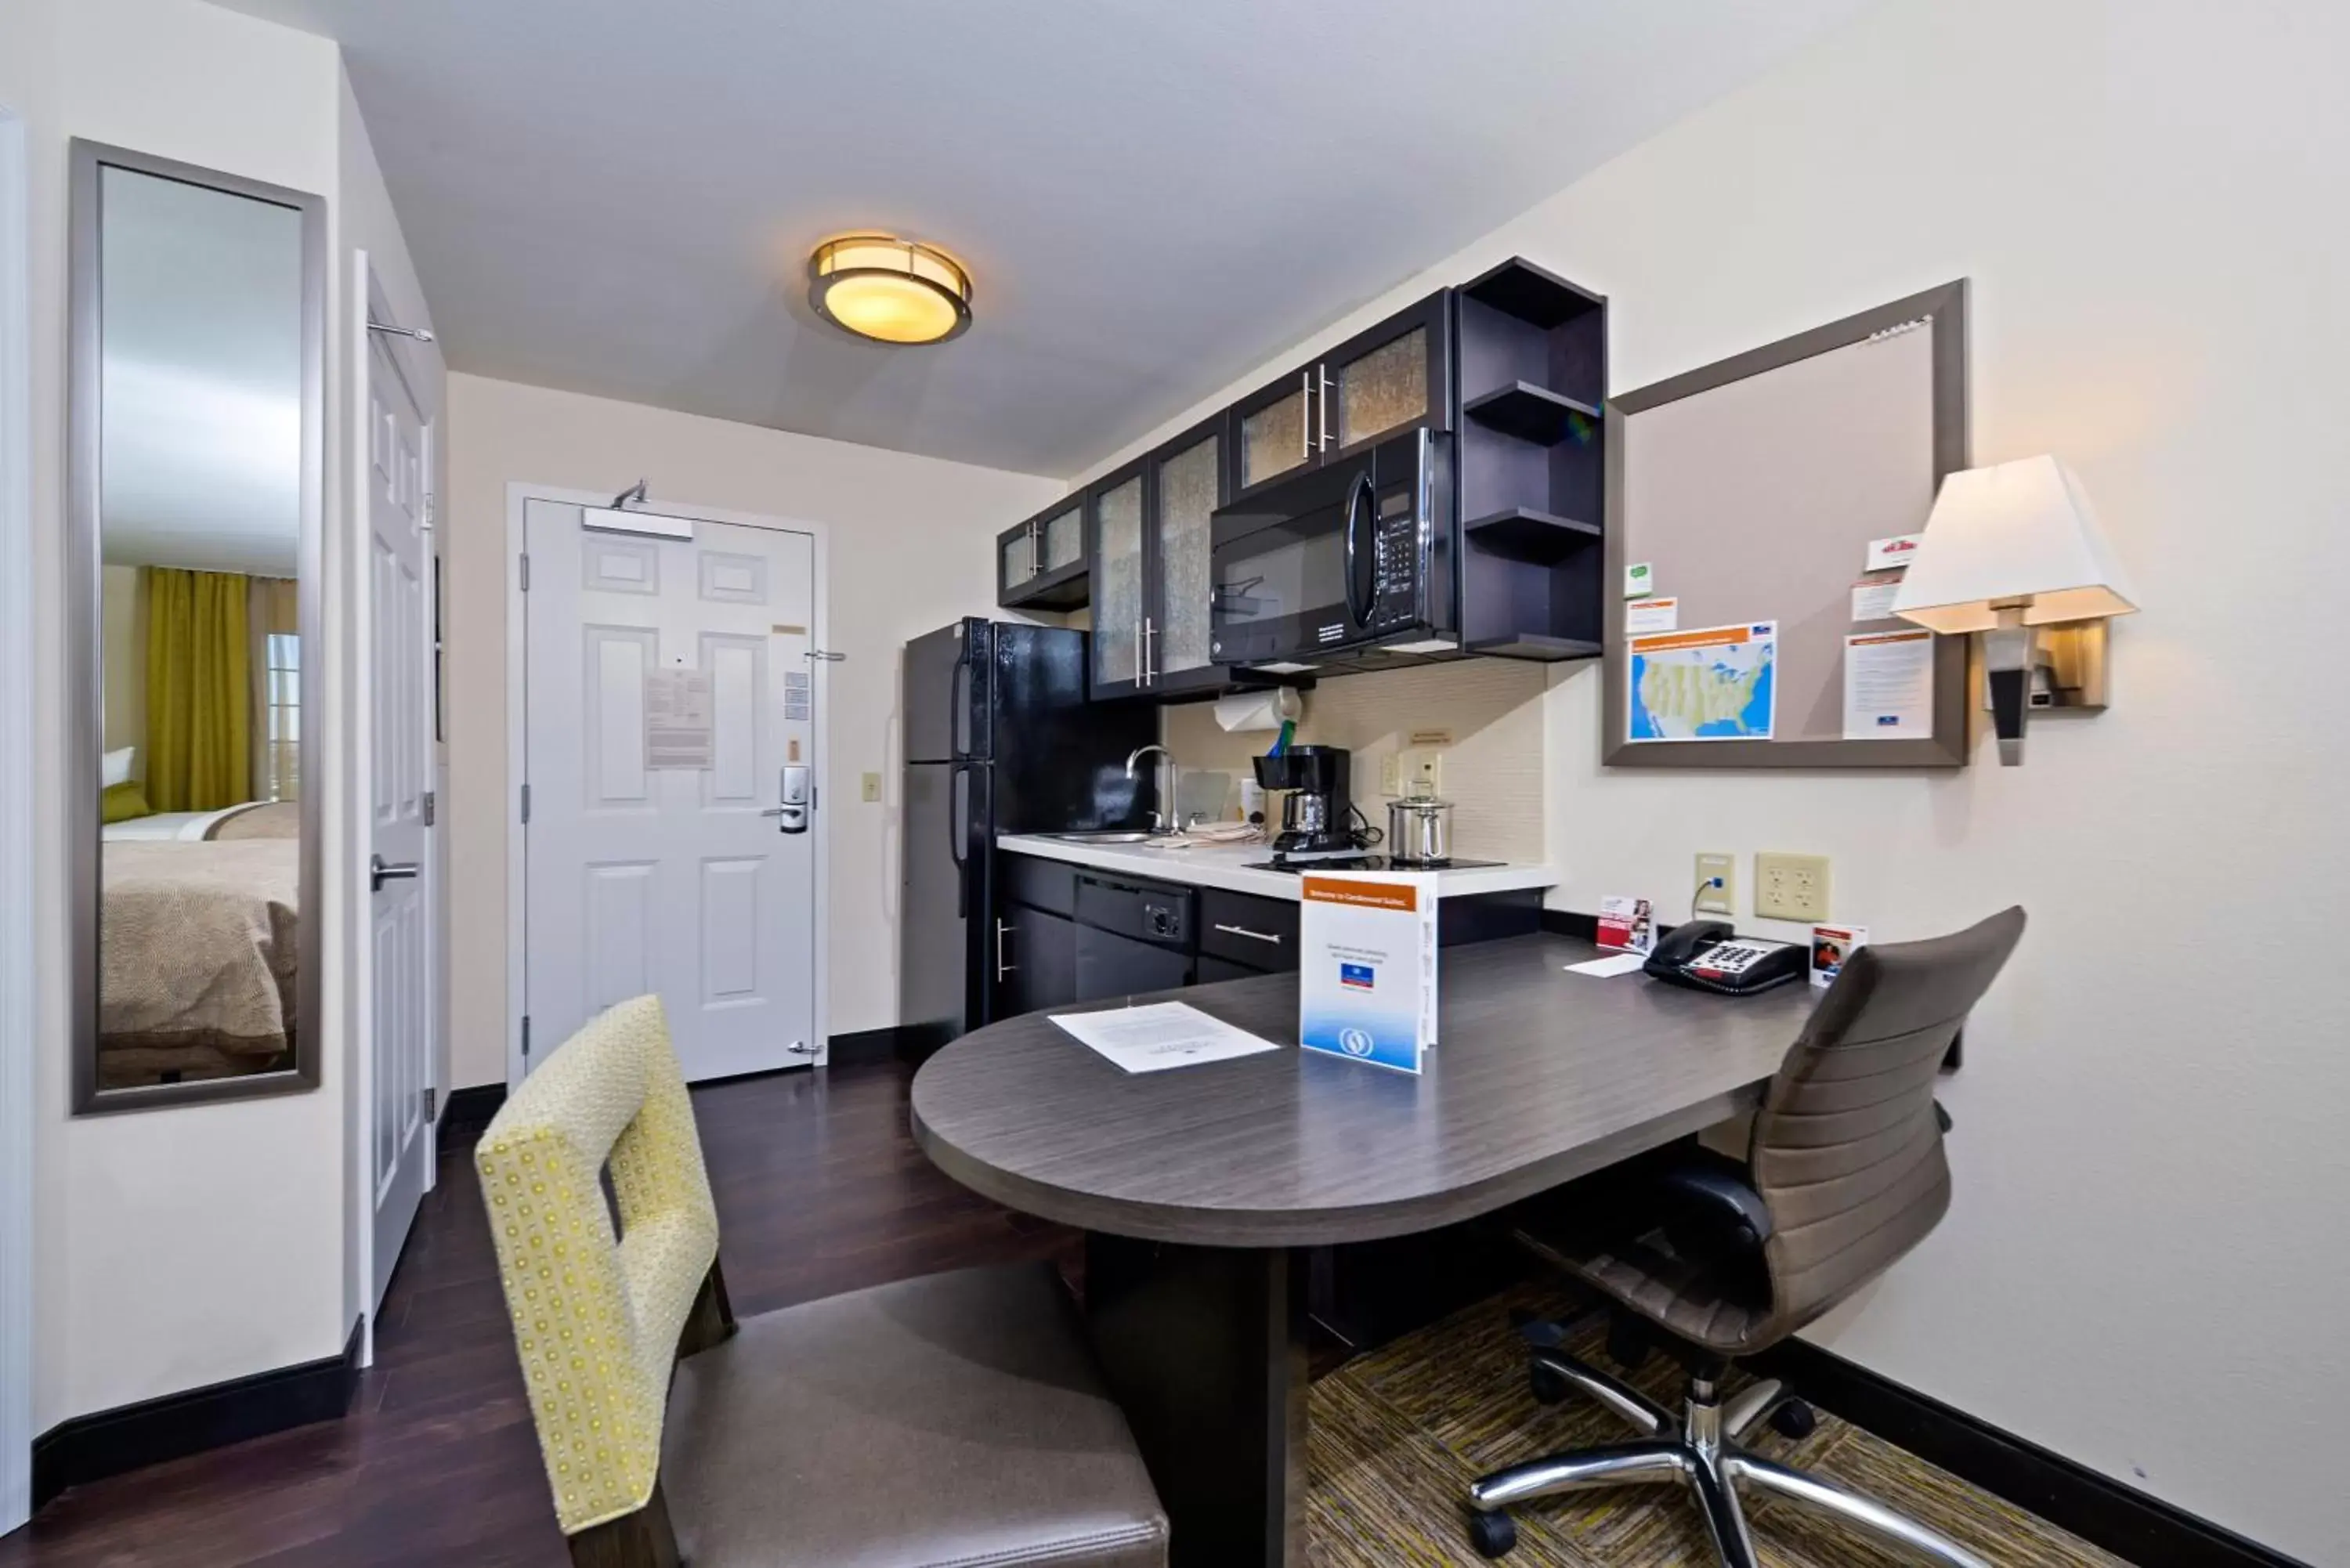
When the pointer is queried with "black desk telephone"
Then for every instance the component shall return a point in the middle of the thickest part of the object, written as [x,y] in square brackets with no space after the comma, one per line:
[1707,955]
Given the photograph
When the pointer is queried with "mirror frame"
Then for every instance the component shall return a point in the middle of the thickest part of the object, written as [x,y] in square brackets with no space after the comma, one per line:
[84,723]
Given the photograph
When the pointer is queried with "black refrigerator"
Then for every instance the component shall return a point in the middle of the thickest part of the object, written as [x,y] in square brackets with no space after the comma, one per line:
[999,739]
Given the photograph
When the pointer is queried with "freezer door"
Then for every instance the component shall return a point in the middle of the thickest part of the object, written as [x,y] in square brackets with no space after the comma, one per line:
[945,691]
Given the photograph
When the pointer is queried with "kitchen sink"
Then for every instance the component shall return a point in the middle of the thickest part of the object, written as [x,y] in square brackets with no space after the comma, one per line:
[1118,835]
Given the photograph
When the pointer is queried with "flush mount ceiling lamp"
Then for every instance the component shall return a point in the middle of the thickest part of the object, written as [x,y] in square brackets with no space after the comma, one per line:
[888,290]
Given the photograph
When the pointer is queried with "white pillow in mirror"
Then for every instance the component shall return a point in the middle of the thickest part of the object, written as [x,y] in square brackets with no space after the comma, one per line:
[115,767]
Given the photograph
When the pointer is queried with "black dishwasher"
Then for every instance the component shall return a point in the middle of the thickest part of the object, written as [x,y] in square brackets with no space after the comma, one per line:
[1132,936]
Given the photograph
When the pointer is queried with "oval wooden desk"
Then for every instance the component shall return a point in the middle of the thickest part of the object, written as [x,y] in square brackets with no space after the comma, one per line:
[1201,1189]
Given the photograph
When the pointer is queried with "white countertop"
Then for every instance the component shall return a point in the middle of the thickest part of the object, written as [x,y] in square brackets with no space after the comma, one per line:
[1226,866]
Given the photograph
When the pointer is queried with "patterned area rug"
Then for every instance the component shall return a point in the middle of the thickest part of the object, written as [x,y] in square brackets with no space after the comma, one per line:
[1398,1433]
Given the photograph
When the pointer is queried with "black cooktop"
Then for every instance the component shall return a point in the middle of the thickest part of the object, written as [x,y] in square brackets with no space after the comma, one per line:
[1368,863]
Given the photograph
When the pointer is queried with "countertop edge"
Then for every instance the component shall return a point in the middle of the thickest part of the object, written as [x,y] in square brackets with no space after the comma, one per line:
[1205,868]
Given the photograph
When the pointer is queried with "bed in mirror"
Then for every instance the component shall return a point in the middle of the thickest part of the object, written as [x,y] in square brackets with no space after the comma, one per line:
[196,497]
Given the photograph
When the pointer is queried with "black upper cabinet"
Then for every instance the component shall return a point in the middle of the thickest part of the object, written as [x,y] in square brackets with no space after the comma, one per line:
[1392,377]
[1040,564]
[1148,530]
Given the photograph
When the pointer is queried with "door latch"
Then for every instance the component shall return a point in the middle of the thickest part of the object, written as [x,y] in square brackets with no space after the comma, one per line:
[797,797]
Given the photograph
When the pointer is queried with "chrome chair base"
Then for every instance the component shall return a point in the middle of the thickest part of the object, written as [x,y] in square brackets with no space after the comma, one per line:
[1701,1451]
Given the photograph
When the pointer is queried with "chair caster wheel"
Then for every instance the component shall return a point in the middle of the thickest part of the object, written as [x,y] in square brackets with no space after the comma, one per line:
[1627,1343]
[1546,1386]
[1492,1534]
[1794,1419]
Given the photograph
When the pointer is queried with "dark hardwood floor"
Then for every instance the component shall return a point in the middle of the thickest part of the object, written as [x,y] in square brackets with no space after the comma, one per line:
[820,1189]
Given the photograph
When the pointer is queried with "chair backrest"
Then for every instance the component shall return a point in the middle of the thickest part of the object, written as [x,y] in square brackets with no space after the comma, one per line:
[596,1316]
[1847,1150]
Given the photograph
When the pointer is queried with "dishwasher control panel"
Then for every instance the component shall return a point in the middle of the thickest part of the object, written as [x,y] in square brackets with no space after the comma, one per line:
[1147,911]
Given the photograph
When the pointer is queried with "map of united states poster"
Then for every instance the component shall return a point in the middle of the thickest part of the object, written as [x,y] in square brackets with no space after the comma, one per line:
[1716,684]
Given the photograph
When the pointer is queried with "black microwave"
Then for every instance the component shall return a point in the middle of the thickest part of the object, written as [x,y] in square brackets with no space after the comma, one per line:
[1354,554]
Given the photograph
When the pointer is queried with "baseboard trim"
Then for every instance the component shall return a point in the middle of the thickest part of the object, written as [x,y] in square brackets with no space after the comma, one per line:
[1568,923]
[861,1046]
[471,1109]
[2124,1521]
[132,1436]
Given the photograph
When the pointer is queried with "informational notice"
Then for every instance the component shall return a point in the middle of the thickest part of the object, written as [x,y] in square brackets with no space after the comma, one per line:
[1645,616]
[1627,924]
[1367,974]
[1872,599]
[1889,685]
[678,729]
[1894,553]
[1163,1034]
[1717,684]
[1831,945]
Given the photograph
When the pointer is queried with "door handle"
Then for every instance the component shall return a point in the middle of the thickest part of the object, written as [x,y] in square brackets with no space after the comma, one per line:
[380,871]
[1356,496]
[1003,969]
[1323,417]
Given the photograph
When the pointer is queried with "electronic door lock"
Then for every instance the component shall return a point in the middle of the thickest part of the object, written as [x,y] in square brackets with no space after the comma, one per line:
[798,796]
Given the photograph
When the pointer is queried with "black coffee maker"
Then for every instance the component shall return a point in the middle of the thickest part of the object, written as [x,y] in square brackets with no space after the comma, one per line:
[1317,813]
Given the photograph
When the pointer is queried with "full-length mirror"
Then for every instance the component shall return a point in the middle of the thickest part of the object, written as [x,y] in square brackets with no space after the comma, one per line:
[197,490]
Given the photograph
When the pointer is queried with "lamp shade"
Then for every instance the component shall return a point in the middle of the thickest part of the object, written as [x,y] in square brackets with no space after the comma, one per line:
[2019,533]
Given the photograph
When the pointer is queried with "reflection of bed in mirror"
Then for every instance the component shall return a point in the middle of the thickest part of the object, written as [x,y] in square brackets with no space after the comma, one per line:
[198,958]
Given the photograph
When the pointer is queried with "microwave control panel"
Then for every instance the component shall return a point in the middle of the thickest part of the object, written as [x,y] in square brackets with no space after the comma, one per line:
[1396,563]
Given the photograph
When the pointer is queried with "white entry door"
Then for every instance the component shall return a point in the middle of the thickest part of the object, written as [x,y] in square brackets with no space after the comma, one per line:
[399,1080]
[670,706]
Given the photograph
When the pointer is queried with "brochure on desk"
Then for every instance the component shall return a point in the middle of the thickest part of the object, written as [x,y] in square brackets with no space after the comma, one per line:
[1367,984]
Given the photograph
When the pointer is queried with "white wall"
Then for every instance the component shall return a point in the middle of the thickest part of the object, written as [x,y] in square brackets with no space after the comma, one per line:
[911,546]
[180,1247]
[2149,1164]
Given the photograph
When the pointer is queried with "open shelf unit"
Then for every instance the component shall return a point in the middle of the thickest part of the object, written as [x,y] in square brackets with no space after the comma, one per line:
[1531,459]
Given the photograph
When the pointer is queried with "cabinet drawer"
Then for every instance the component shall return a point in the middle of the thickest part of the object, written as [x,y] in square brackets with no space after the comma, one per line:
[1211,970]
[1261,933]
[1039,884]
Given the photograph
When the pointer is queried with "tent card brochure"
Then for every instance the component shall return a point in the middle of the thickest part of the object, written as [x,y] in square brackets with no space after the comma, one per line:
[1367,987]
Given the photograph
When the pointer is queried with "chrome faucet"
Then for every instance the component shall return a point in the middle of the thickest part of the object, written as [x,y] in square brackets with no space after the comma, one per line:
[1162,818]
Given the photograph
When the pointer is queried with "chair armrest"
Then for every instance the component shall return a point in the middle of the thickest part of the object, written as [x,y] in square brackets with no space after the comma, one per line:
[1717,1196]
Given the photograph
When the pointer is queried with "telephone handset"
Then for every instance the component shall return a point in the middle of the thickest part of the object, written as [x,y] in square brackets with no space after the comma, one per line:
[1707,955]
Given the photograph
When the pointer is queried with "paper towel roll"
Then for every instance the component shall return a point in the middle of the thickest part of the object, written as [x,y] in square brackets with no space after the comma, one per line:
[1259,709]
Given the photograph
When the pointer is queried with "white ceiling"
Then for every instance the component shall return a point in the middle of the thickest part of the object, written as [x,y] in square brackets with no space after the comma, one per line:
[1152,195]
[201,377]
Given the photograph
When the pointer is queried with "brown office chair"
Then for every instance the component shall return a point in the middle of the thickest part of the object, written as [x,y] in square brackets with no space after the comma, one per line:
[954,1419]
[1844,1175]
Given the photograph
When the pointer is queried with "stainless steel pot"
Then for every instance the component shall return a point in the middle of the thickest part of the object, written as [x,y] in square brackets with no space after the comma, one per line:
[1420,831]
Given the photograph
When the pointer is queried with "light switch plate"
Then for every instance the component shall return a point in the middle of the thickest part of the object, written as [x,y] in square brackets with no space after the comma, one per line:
[1391,774]
[1791,887]
[871,787]
[1710,899]
[1424,771]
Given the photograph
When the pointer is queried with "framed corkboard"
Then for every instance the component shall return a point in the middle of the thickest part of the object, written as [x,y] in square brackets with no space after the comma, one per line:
[1753,488]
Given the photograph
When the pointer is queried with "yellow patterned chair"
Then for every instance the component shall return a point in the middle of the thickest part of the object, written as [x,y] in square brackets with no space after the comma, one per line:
[954,1419]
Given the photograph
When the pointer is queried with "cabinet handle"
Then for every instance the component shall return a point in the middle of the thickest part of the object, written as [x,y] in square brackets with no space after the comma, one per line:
[1150,651]
[1253,936]
[1305,415]
[1035,551]
[1323,418]
[1003,969]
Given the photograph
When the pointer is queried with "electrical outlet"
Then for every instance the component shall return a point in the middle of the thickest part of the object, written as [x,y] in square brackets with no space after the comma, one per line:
[1791,887]
[871,787]
[1424,771]
[1717,886]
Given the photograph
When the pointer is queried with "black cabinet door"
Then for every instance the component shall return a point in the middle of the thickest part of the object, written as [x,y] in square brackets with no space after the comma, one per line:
[1036,960]
[1110,965]
[1212,969]
[1117,530]
[1040,564]
[1396,376]
[1187,484]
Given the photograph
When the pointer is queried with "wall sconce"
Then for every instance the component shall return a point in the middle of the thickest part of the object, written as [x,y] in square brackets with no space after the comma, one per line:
[2013,551]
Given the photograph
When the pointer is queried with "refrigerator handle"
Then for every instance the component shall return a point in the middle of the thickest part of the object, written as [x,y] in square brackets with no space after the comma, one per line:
[957,821]
[958,705]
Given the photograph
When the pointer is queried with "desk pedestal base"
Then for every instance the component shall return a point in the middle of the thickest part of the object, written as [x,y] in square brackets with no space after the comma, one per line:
[1205,1349]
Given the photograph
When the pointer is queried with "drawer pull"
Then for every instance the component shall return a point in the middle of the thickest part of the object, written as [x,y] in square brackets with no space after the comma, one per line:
[1253,936]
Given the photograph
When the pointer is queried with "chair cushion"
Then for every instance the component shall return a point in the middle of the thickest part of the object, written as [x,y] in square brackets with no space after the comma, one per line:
[954,1419]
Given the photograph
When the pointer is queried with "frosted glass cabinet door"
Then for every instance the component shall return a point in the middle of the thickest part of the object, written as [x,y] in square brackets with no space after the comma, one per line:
[1384,389]
[1273,438]
[1064,538]
[1019,559]
[1188,497]
[1117,584]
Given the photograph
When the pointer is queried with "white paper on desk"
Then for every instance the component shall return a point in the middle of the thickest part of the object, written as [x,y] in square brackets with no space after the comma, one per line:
[1614,964]
[1162,1035]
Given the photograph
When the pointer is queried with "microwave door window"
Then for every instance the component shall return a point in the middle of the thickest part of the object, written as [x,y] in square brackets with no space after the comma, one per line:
[1278,574]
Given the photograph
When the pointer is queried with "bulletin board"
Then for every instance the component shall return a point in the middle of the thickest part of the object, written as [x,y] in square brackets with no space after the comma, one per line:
[1752,488]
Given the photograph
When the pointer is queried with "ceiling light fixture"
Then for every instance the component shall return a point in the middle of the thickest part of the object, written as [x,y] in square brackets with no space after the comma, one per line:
[888,289]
